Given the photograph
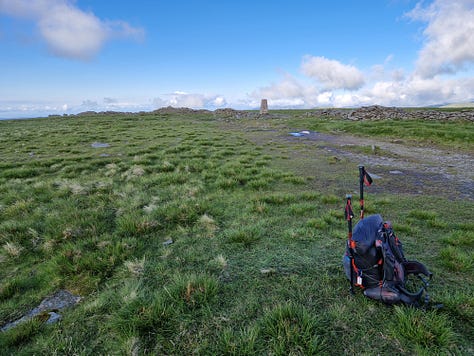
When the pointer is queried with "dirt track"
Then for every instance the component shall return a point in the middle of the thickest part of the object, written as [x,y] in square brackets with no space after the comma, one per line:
[403,167]
[411,169]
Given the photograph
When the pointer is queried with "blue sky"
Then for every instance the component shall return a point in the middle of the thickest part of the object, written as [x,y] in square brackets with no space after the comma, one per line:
[66,56]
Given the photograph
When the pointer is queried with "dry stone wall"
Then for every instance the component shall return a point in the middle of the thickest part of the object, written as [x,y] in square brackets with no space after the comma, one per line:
[392,113]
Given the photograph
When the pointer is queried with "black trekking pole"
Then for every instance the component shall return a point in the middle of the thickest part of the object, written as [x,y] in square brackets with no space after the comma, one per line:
[349,214]
[364,178]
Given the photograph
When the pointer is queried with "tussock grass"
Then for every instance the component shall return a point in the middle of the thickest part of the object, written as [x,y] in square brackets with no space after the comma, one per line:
[425,330]
[194,236]
[456,259]
[302,209]
[246,235]
[279,198]
[458,256]
[12,249]
[21,334]
[422,215]
[289,329]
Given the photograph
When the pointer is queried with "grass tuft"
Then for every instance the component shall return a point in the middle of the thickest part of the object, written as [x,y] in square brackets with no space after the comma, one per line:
[20,334]
[456,259]
[136,267]
[427,330]
[246,235]
[290,330]
[422,215]
[192,291]
[463,239]
[208,224]
[12,249]
[279,198]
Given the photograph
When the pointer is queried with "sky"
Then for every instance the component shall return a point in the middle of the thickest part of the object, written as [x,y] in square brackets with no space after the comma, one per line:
[68,56]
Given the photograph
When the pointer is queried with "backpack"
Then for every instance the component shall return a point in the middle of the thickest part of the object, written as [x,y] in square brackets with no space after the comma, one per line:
[374,259]
[378,264]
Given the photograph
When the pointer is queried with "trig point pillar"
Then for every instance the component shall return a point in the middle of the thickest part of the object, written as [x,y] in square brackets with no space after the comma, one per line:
[264,107]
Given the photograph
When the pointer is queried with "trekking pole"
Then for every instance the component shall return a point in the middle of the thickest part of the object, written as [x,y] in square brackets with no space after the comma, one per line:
[364,178]
[349,214]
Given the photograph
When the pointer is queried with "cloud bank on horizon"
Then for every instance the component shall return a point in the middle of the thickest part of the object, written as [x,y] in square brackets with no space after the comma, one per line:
[442,72]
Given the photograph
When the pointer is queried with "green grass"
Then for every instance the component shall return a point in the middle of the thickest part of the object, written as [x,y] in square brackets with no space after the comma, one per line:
[257,230]
[456,134]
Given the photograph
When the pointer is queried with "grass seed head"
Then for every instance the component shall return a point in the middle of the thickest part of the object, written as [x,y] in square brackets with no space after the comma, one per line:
[136,267]
[12,249]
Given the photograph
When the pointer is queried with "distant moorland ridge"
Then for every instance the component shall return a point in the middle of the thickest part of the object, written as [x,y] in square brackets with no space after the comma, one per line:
[375,112]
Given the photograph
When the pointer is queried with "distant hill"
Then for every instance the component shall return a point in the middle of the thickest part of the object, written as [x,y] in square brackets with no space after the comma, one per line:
[458,105]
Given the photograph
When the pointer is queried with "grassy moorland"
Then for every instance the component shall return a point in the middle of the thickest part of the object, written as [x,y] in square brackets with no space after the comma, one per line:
[254,266]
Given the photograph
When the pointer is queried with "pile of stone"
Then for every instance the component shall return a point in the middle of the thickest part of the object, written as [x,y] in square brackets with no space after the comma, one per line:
[376,112]
[228,113]
[173,110]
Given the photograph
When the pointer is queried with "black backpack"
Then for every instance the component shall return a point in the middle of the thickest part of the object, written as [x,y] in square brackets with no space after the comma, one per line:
[374,259]
[378,264]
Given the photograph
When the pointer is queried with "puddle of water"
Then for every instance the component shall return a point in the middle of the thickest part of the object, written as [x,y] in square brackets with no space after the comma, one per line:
[99,145]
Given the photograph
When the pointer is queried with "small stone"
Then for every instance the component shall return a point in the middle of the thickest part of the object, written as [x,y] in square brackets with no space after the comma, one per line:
[395,172]
[168,242]
[268,271]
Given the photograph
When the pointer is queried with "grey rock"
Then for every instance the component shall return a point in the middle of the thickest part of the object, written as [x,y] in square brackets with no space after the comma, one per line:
[60,300]
[53,318]
[168,242]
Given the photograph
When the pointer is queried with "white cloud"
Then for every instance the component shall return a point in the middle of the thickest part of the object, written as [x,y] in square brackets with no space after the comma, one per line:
[349,100]
[72,33]
[67,30]
[190,100]
[398,75]
[288,87]
[181,99]
[287,103]
[332,74]
[22,109]
[288,92]
[158,103]
[448,49]
[108,100]
[449,36]
[326,98]
[219,101]
[417,91]
[89,105]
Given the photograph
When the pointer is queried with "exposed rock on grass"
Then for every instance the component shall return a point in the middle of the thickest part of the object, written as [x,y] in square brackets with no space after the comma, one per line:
[60,300]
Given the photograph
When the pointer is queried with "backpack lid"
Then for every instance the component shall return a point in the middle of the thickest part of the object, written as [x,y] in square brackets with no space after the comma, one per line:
[366,232]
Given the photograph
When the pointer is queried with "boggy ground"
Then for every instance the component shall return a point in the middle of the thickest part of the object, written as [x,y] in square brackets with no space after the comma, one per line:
[398,165]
